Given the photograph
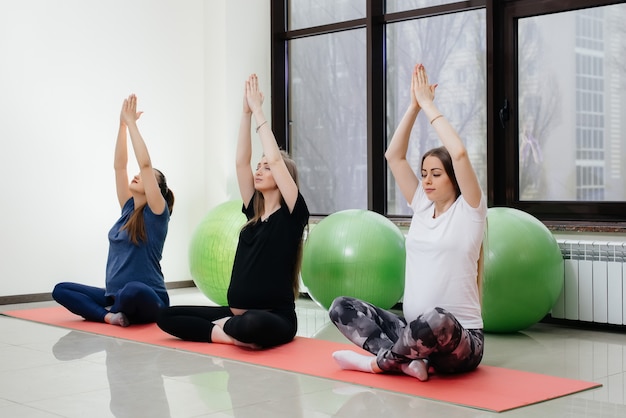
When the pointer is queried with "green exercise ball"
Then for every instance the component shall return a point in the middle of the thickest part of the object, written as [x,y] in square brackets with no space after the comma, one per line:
[523,271]
[356,253]
[212,250]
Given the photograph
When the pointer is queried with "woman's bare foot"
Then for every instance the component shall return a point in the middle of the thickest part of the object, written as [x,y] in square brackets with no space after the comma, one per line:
[219,336]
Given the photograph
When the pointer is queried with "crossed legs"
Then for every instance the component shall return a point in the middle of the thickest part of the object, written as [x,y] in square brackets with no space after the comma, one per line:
[435,339]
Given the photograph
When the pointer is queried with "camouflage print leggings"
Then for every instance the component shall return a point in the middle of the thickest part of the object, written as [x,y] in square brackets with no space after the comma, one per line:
[435,335]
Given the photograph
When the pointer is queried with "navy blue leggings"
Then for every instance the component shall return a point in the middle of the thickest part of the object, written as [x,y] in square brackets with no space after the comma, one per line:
[436,335]
[139,302]
[263,328]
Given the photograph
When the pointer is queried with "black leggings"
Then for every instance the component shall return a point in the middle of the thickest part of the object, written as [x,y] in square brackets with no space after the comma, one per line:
[262,328]
[435,335]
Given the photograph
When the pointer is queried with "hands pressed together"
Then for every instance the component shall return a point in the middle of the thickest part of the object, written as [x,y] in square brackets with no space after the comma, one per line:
[422,93]
[253,97]
[129,113]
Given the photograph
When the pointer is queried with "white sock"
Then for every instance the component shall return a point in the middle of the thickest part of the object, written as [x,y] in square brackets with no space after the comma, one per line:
[350,360]
[417,368]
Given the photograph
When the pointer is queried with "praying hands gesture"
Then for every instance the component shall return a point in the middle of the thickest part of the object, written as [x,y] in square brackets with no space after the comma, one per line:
[254,97]
[129,113]
[422,93]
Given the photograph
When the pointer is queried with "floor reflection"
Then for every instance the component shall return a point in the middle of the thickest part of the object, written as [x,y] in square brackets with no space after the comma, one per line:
[135,378]
[93,375]
[137,385]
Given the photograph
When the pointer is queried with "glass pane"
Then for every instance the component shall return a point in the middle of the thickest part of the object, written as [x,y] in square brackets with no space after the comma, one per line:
[328,122]
[393,6]
[452,48]
[307,13]
[571,105]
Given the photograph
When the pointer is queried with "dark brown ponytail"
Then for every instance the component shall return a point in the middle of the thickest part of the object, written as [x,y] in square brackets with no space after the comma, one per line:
[136,225]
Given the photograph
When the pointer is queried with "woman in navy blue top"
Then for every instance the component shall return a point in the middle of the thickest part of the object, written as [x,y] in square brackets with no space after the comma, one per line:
[135,287]
[265,276]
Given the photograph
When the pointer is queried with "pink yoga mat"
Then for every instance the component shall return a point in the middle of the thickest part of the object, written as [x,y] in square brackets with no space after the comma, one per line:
[490,388]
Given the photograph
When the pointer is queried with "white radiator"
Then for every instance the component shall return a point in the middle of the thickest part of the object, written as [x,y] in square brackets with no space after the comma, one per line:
[594,287]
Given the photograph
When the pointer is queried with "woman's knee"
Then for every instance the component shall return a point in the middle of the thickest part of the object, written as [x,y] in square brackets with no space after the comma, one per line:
[439,319]
[437,329]
[340,305]
[58,291]
[163,318]
[139,293]
[262,328]
[134,289]
[62,291]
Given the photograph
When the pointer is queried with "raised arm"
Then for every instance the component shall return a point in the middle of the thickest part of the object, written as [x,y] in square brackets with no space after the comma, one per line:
[286,184]
[465,174]
[243,156]
[403,173]
[120,165]
[129,115]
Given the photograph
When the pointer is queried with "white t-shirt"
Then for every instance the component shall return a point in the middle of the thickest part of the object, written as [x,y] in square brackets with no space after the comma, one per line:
[442,259]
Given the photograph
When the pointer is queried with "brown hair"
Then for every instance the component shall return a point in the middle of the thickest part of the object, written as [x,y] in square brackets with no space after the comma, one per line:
[481,272]
[259,208]
[484,247]
[444,156]
[135,225]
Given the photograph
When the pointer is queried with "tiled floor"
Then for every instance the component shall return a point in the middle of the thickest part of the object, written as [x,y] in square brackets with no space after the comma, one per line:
[53,372]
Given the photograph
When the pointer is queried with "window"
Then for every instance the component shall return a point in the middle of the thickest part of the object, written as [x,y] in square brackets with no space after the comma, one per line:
[539,109]
[328,120]
[570,101]
[309,13]
[404,5]
[452,47]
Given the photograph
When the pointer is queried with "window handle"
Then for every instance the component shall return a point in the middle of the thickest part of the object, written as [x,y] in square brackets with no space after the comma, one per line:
[504,113]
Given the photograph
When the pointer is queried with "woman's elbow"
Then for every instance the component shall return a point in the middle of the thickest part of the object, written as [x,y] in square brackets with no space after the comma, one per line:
[460,154]
[393,158]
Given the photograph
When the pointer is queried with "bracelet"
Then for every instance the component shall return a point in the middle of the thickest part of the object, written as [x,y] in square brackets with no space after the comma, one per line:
[259,127]
[435,118]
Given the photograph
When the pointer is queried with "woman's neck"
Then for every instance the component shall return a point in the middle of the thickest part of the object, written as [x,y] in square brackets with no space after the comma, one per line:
[139,199]
[271,204]
[441,207]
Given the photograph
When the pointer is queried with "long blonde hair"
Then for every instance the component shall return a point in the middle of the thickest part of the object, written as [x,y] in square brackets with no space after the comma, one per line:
[259,209]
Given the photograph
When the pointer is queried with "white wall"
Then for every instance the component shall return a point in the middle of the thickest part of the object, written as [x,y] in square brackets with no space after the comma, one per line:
[66,67]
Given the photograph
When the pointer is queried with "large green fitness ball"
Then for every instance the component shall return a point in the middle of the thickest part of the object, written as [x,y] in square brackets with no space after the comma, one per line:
[523,274]
[212,250]
[356,253]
